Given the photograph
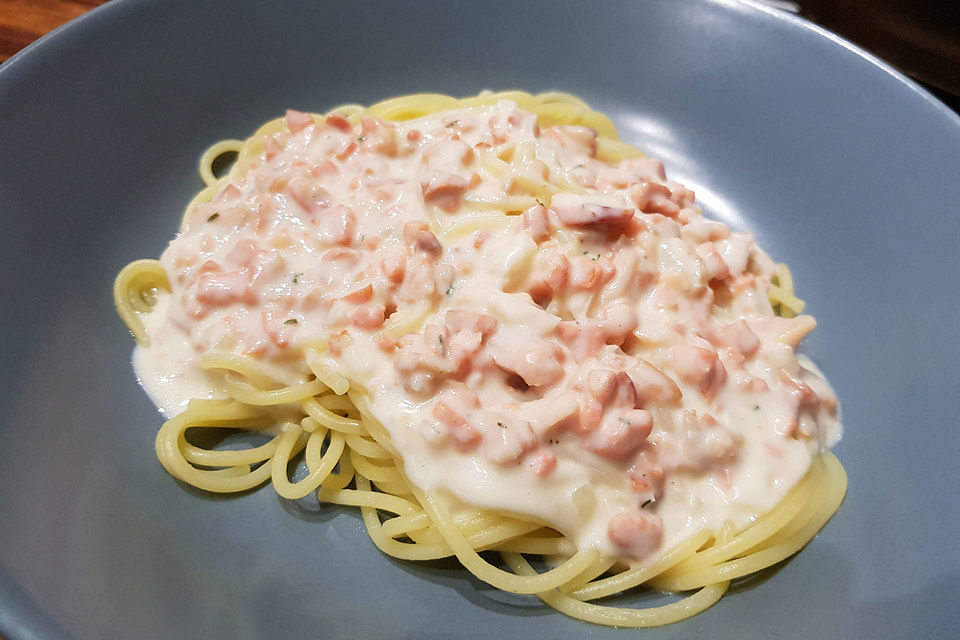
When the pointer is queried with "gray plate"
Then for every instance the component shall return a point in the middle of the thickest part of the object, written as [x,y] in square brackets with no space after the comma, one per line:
[843,168]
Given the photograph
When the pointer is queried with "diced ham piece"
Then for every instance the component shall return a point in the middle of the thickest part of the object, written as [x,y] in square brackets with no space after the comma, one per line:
[794,329]
[460,320]
[298,120]
[739,337]
[544,464]
[446,346]
[246,266]
[649,169]
[443,181]
[611,405]
[421,359]
[652,197]
[383,135]
[713,264]
[579,139]
[271,148]
[229,192]
[339,123]
[612,387]
[646,482]
[337,225]
[653,385]
[535,360]
[619,321]
[548,414]
[443,189]
[699,366]
[466,333]
[370,316]
[635,536]
[585,340]
[547,277]
[801,395]
[508,439]
[704,230]
[258,265]
[309,195]
[419,279]
[220,289]
[465,435]
[447,154]
[278,327]
[597,212]
[680,195]
[620,438]
[419,236]
[370,125]
[585,274]
[704,442]
[611,178]
[393,263]
[536,222]
[244,254]
[590,414]
[323,169]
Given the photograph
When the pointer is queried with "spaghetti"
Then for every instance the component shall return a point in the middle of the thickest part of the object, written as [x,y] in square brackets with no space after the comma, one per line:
[328,418]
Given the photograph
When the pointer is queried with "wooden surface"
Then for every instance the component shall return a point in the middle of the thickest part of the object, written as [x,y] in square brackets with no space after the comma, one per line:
[23,21]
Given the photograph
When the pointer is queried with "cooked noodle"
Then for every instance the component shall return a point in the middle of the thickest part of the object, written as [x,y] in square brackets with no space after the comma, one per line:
[350,459]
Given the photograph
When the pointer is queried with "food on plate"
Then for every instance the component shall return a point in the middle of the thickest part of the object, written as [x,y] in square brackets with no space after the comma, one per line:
[492,326]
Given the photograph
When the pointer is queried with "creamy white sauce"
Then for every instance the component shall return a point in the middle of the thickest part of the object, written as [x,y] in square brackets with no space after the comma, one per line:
[552,304]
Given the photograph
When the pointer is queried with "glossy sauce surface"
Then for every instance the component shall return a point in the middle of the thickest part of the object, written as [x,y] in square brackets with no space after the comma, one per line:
[540,331]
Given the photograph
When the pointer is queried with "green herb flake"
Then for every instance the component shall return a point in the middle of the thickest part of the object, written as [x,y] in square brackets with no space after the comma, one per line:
[361,138]
[443,347]
[213,217]
[296,277]
[646,502]
[501,425]
[290,321]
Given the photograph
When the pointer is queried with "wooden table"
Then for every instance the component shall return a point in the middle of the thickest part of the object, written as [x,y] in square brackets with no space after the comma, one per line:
[23,21]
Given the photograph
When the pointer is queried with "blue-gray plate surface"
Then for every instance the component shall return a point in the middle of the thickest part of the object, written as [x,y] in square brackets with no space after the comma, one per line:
[843,169]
